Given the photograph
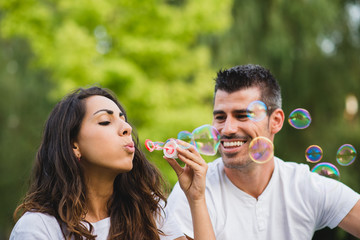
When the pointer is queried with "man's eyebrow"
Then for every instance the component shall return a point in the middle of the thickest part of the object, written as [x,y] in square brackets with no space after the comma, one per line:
[239,111]
[104,110]
[218,112]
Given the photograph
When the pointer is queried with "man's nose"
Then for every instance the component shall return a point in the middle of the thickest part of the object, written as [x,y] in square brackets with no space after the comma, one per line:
[230,126]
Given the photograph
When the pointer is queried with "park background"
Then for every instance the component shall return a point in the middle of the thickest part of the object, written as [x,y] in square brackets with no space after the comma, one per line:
[160,58]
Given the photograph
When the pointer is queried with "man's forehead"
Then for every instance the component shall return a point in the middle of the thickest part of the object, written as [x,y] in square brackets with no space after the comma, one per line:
[241,97]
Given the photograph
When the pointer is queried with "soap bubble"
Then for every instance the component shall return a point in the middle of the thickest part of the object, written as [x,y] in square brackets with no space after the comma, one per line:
[346,155]
[256,111]
[185,136]
[313,154]
[327,169]
[261,149]
[206,140]
[299,118]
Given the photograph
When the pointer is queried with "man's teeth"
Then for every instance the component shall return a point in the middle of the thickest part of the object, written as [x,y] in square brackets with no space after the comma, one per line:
[233,144]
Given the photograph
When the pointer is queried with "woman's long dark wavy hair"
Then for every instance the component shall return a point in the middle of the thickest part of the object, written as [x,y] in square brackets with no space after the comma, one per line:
[57,184]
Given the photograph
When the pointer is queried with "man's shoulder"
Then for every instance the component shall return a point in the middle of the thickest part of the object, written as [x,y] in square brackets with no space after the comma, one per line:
[297,175]
[290,167]
[292,176]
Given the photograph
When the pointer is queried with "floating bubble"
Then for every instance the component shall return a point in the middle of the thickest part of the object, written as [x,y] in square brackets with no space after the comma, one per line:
[346,155]
[327,169]
[261,149]
[206,139]
[185,136]
[299,118]
[256,111]
[313,154]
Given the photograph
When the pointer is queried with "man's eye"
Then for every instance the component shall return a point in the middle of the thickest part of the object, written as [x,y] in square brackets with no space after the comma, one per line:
[219,118]
[104,123]
[241,116]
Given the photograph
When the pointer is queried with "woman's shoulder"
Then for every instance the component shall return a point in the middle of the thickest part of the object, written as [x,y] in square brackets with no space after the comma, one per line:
[37,216]
[35,225]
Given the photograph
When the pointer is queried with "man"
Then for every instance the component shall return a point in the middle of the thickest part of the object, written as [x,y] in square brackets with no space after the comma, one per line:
[276,199]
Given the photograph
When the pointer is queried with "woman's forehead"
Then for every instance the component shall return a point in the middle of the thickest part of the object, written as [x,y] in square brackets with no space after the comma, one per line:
[97,102]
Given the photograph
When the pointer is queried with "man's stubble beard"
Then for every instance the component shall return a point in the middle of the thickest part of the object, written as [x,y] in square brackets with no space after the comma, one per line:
[235,162]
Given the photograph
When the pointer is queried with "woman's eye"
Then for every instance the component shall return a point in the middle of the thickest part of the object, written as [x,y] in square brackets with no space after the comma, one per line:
[122,116]
[104,123]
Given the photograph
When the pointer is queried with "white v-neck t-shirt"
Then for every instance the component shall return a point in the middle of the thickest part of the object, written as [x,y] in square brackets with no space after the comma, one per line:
[295,203]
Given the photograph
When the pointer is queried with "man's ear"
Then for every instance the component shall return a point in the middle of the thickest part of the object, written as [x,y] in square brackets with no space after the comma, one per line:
[276,121]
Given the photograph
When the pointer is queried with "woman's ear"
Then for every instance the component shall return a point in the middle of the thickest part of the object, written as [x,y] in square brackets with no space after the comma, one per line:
[76,150]
[276,120]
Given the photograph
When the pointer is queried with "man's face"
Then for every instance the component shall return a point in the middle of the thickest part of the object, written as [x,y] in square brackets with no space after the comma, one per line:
[236,129]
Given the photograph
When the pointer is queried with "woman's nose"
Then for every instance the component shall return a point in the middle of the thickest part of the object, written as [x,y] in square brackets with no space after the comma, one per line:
[125,129]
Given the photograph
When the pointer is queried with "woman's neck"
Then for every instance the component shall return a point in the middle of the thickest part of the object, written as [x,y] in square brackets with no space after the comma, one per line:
[99,190]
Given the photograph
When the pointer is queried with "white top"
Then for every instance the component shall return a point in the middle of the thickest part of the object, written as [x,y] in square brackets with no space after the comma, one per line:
[40,226]
[294,205]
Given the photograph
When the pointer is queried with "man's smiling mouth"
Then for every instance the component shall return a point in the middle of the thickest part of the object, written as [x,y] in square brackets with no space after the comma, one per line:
[229,144]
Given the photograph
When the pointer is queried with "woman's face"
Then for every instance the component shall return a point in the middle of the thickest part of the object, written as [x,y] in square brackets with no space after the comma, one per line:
[104,140]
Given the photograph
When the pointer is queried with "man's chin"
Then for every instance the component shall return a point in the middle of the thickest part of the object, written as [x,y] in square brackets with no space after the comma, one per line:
[229,155]
[235,163]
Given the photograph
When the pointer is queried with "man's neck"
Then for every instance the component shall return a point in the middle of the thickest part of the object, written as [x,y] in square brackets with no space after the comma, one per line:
[253,179]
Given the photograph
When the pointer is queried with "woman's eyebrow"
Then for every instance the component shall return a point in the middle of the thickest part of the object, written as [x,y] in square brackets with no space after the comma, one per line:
[104,110]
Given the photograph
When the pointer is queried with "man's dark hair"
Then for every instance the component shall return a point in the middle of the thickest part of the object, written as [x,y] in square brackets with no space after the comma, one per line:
[246,76]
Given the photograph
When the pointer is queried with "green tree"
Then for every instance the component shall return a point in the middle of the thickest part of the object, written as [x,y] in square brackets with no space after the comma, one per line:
[147,52]
[24,105]
[150,53]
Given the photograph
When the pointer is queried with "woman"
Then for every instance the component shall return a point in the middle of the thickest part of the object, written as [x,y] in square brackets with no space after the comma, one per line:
[91,180]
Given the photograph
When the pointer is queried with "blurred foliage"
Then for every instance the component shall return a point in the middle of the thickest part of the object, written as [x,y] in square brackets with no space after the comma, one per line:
[149,53]
[160,57]
[24,106]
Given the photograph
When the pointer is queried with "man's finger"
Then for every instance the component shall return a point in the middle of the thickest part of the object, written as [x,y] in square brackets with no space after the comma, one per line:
[175,165]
